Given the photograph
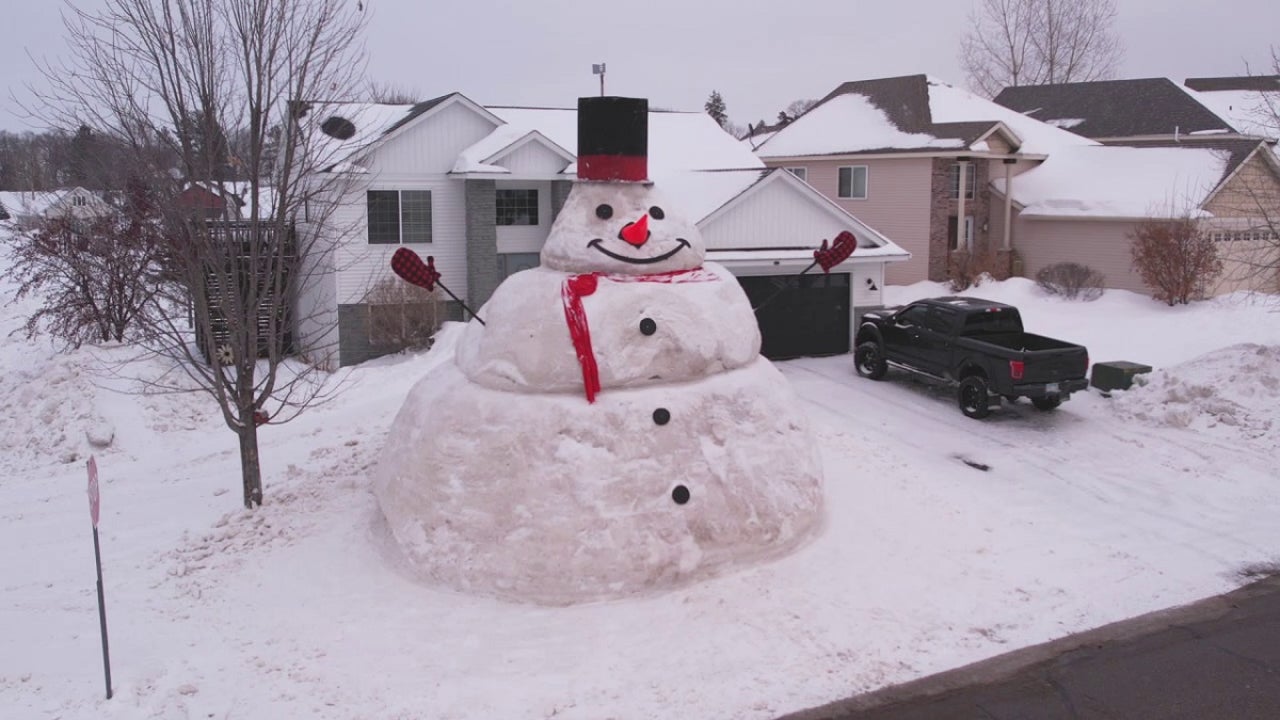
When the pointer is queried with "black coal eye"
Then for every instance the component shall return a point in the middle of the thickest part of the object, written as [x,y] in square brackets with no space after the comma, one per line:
[656,213]
[604,212]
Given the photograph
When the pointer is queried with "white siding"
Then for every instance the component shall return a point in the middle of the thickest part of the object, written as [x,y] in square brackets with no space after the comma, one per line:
[317,308]
[532,158]
[526,238]
[863,295]
[361,265]
[774,216]
[432,144]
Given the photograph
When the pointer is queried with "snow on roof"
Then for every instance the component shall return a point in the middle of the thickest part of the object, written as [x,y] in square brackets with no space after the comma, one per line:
[369,121]
[678,141]
[1118,182]
[26,202]
[949,104]
[472,159]
[1252,112]
[699,193]
[846,124]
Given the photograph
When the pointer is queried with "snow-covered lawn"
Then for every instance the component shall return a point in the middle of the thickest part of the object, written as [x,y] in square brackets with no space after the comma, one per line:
[1103,509]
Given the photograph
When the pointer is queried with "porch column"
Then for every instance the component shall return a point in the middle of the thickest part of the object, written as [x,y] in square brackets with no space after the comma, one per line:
[1008,203]
[962,243]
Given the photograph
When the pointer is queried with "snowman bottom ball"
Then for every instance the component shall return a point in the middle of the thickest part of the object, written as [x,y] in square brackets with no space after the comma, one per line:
[547,499]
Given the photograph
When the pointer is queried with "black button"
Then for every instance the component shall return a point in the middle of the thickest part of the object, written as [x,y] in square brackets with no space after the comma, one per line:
[648,326]
[680,494]
[662,416]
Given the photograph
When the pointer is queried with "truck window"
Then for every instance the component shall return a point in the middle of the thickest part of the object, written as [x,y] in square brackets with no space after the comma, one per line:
[914,315]
[993,322]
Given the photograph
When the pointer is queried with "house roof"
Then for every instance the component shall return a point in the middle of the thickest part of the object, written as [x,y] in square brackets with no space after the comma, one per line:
[1244,82]
[707,195]
[913,113]
[1115,108]
[1251,104]
[1108,181]
[678,141]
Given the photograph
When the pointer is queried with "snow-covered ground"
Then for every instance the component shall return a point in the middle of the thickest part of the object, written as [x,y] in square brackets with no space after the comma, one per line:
[1101,510]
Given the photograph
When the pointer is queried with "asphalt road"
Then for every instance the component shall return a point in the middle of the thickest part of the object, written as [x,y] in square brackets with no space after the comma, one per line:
[1215,659]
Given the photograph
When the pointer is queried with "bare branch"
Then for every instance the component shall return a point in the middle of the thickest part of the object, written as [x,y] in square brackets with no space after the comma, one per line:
[1037,42]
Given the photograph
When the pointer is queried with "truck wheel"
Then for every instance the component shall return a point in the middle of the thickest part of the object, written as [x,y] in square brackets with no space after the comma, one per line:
[1046,403]
[868,360]
[974,398]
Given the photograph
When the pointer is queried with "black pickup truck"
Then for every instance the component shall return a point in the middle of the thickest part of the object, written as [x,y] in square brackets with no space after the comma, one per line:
[977,344]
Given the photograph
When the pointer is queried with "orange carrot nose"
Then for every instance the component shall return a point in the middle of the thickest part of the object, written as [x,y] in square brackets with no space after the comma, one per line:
[637,233]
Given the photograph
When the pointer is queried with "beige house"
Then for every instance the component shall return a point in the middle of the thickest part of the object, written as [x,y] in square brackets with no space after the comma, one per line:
[1238,118]
[912,156]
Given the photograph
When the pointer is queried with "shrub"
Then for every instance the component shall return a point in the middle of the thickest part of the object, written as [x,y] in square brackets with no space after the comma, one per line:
[1175,258]
[403,316]
[968,269]
[1071,280]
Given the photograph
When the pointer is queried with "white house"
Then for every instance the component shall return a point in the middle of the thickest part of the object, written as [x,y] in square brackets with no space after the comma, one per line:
[23,209]
[478,187]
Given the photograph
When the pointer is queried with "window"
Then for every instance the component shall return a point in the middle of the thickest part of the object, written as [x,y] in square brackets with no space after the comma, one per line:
[968,233]
[517,207]
[399,216]
[970,179]
[853,182]
[914,315]
[799,172]
[79,201]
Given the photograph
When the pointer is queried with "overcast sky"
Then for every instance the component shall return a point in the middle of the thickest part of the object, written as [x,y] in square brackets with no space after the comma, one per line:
[760,56]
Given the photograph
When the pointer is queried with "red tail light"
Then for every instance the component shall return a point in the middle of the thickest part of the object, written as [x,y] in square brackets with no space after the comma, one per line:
[1015,369]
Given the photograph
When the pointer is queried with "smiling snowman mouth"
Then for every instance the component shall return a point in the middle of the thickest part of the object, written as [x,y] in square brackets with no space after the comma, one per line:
[598,244]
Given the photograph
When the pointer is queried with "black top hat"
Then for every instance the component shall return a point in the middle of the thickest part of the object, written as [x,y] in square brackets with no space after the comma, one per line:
[613,139]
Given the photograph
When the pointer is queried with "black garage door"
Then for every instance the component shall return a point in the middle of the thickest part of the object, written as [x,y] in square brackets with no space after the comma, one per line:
[800,315]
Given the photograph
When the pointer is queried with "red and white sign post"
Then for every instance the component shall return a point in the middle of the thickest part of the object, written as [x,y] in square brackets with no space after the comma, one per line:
[94,504]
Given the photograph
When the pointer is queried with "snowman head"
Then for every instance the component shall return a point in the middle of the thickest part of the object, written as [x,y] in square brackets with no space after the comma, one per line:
[613,220]
[621,227]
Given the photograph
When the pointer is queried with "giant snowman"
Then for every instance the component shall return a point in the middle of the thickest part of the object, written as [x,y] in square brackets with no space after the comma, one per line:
[612,429]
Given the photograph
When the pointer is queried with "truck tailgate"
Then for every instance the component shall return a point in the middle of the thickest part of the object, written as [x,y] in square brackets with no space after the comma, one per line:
[1046,366]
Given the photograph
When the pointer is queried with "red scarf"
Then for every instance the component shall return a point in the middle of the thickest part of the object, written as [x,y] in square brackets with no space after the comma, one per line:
[578,286]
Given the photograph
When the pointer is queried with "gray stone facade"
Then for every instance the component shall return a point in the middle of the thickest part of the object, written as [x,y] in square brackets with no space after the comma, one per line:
[484,272]
[559,193]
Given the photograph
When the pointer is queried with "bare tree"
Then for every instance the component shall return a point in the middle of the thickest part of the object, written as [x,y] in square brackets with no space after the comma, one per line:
[392,94]
[1039,42]
[172,79]
[86,271]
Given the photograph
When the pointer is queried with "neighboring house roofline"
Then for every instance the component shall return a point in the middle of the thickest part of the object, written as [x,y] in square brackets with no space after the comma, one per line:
[1015,141]
[1259,150]
[1261,83]
[881,154]
[1115,108]
[1189,139]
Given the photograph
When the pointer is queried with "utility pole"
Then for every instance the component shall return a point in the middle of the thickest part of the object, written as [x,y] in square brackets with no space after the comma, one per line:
[599,70]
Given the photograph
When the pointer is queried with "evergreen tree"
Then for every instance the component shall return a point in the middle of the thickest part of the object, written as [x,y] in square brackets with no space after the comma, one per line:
[716,109]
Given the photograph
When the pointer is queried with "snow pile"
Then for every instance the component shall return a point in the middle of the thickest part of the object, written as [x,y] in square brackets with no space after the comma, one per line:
[50,413]
[1235,390]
